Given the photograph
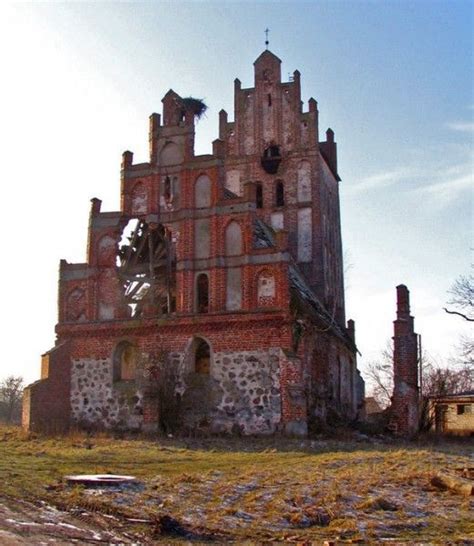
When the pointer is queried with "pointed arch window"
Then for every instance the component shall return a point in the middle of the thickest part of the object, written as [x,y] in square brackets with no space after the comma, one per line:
[139,199]
[202,293]
[124,362]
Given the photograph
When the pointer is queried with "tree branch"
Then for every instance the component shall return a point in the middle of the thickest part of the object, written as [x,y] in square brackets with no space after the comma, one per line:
[465,317]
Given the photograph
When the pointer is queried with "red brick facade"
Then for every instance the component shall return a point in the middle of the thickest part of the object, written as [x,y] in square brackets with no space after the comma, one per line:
[232,259]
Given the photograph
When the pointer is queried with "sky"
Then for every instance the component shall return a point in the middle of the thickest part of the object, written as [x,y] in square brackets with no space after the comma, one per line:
[394,80]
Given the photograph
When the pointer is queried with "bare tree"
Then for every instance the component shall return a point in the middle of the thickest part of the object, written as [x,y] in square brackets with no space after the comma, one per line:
[11,392]
[379,374]
[437,380]
[465,351]
[462,298]
[462,305]
[161,383]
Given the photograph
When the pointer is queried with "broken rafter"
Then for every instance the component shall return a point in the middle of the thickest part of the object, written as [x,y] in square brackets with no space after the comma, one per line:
[130,247]
[147,269]
[150,265]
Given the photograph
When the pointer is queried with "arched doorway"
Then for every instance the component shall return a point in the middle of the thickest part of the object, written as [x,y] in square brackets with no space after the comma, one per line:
[202,357]
[124,362]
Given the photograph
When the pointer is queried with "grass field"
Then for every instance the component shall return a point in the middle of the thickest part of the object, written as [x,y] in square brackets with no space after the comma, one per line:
[249,489]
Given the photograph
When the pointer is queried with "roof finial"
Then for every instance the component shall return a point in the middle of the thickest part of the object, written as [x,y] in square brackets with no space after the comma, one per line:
[267,30]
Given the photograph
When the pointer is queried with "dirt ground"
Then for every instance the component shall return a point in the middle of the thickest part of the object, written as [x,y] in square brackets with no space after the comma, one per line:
[23,522]
[347,490]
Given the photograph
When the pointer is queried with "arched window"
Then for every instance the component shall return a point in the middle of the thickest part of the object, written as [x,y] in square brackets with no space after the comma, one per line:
[202,357]
[76,305]
[139,199]
[279,194]
[106,251]
[233,239]
[171,154]
[202,192]
[202,293]
[272,151]
[259,195]
[124,362]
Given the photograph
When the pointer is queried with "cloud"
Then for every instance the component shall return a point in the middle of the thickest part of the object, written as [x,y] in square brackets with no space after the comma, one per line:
[380,180]
[447,188]
[463,126]
[437,177]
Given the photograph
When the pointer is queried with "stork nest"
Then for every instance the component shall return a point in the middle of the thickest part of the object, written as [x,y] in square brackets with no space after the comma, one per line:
[197,106]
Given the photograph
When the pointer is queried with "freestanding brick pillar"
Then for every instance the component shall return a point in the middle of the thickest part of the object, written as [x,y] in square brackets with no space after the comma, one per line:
[405,403]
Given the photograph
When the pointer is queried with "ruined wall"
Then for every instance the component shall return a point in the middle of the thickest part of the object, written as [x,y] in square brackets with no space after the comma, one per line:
[330,245]
[330,378]
[47,401]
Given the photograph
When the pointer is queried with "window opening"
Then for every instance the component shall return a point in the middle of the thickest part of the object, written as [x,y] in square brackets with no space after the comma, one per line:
[271,159]
[167,189]
[272,151]
[202,285]
[269,99]
[259,195]
[463,408]
[280,194]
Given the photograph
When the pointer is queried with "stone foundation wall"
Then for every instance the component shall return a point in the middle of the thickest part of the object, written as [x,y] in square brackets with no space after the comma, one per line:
[97,400]
[240,395]
[250,381]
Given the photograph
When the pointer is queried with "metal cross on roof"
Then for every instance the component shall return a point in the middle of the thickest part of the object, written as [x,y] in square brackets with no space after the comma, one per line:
[267,30]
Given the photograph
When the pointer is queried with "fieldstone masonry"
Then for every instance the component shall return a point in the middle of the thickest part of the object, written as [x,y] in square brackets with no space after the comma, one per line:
[96,399]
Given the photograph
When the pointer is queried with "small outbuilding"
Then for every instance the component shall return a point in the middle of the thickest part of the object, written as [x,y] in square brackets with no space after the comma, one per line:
[453,414]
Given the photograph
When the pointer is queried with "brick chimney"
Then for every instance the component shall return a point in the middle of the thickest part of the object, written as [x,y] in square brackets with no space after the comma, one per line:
[405,403]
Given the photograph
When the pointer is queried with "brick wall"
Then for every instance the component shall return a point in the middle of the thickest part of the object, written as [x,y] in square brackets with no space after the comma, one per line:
[47,401]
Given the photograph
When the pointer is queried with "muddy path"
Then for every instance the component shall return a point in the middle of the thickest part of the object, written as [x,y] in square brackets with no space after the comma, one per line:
[23,522]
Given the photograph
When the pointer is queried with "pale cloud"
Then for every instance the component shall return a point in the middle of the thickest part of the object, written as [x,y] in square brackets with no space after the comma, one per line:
[463,126]
[380,180]
[448,184]
[440,183]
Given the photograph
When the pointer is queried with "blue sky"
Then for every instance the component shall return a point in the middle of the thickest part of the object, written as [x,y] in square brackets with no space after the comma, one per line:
[392,79]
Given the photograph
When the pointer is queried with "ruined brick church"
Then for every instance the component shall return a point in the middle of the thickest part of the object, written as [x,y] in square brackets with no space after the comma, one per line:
[214,299]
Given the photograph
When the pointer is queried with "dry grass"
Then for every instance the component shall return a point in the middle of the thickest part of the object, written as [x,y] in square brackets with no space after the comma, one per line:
[259,489]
